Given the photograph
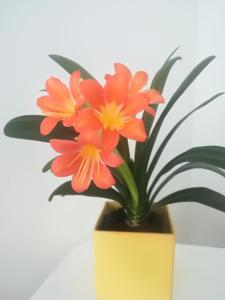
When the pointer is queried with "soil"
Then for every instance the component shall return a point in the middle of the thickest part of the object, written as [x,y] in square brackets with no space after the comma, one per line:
[116,221]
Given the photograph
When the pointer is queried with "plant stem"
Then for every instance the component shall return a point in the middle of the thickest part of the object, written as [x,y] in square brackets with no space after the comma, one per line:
[123,148]
[135,219]
[129,179]
[137,211]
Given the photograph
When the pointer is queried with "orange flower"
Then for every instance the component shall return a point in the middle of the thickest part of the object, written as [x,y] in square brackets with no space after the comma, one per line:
[113,110]
[136,84]
[61,103]
[86,160]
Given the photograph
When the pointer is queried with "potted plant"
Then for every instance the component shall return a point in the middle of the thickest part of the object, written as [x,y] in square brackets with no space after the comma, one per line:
[89,125]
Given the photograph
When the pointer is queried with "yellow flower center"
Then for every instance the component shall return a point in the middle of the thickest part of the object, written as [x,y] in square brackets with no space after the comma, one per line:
[70,107]
[90,152]
[63,111]
[90,157]
[111,116]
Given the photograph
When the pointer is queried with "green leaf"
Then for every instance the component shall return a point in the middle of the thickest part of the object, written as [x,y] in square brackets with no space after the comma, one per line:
[173,52]
[184,168]
[47,166]
[181,89]
[151,141]
[172,131]
[70,66]
[200,195]
[212,155]
[66,189]
[159,80]
[28,128]
[158,83]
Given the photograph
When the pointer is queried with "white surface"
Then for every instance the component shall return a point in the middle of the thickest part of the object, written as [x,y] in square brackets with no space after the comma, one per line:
[199,274]
[36,235]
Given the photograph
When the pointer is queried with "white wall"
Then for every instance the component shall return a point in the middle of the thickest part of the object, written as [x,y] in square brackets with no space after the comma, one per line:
[34,234]
[208,226]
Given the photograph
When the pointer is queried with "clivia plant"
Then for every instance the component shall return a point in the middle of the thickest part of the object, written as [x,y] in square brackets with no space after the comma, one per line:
[89,125]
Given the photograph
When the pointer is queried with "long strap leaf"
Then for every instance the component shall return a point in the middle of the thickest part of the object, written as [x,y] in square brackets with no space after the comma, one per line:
[213,155]
[200,195]
[172,131]
[172,53]
[70,66]
[181,89]
[66,189]
[151,141]
[47,166]
[158,83]
[28,128]
[184,168]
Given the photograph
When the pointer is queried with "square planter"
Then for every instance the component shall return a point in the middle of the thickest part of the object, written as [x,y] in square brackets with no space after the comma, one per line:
[132,265]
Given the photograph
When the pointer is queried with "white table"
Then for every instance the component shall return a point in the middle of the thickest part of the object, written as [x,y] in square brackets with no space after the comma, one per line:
[199,275]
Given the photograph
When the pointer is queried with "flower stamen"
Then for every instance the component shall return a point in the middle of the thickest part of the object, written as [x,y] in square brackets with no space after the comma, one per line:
[111,116]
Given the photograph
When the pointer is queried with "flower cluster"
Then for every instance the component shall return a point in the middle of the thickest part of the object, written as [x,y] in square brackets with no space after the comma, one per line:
[100,115]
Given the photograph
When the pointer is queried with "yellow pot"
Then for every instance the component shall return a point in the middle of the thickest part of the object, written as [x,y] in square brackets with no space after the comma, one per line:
[134,265]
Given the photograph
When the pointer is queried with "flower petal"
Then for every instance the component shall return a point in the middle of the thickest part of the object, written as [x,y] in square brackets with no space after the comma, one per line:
[89,137]
[102,177]
[48,104]
[69,121]
[82,178]
[58,90]
[139,80]
[116,89]
[65,164]
[74,84]
[135,104]
[47,125]
[107,76]
[92,91]
[150,111]
[134,130]
[112,159]
[110,139]
[123,70]
[87,119]
[154,97]
[62,146]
